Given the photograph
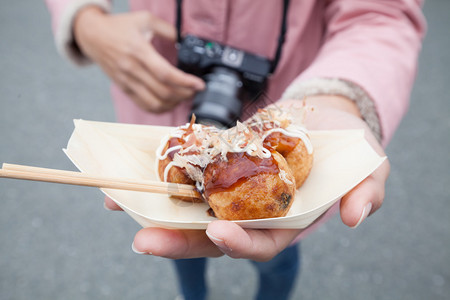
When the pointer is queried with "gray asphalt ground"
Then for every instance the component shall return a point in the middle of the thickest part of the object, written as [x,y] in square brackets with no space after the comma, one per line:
[58,242]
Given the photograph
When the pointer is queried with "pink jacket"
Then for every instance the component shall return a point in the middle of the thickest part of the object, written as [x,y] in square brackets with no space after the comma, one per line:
[364,49]
[369,46]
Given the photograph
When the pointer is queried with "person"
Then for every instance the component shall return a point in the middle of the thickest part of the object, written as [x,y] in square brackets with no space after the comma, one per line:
[353,61]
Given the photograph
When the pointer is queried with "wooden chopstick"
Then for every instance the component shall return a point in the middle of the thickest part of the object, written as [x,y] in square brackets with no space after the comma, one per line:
[78,178]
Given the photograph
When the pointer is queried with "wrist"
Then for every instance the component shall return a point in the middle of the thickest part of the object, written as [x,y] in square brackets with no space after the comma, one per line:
[335,93]
[336,102]
[322,102]
[64,30]
[325,112]
[84,21]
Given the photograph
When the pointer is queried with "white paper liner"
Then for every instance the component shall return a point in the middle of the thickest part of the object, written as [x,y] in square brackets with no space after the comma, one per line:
[342,159]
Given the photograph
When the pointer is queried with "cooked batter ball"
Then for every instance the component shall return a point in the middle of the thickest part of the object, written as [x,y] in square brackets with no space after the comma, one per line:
[250,171]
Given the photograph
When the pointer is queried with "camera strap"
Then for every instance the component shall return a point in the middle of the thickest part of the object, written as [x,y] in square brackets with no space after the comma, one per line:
[281,37]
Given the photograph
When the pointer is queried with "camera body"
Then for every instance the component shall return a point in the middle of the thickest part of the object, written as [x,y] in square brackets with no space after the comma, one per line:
[231,75]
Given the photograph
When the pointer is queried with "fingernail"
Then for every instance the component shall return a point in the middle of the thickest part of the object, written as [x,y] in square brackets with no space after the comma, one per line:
[364,214]
[219,243]
[199,85]
[137,251]
[106,207]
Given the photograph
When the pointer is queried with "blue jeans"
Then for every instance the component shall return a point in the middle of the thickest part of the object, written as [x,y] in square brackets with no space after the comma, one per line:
[276,277]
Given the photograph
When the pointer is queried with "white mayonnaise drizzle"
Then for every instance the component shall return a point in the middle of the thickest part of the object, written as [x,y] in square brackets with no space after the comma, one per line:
[168,151]
[167,169]
[293,131]
[283,176]
[239,139]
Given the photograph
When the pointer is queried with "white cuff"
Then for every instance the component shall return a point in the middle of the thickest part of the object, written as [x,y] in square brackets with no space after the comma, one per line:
[65,42]
[334,86]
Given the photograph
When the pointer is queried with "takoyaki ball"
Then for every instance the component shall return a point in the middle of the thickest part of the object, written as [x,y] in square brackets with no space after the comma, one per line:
[174,174]
[244,187]
[293,149]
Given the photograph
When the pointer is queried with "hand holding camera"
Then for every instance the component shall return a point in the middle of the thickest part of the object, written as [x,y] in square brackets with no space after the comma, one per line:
[120,45]
[232,76]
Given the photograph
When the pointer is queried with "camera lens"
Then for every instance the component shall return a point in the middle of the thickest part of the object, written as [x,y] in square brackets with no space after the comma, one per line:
[219,103]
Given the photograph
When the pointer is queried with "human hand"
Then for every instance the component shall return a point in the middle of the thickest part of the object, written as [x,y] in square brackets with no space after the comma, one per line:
[121,46]
[221,237]
[335,112]
[224,237]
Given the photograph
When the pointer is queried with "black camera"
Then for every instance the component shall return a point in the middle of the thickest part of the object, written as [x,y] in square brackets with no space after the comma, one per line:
[232,76]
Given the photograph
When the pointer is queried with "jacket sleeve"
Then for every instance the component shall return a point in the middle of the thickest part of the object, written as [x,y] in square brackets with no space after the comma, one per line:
[369,54]
[63,13]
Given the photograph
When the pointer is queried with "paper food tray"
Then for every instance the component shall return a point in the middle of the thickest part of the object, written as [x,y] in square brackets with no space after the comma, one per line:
[342,159]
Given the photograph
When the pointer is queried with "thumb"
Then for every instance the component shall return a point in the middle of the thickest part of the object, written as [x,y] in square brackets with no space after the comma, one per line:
[255,244]
[365,198]
[162,28]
